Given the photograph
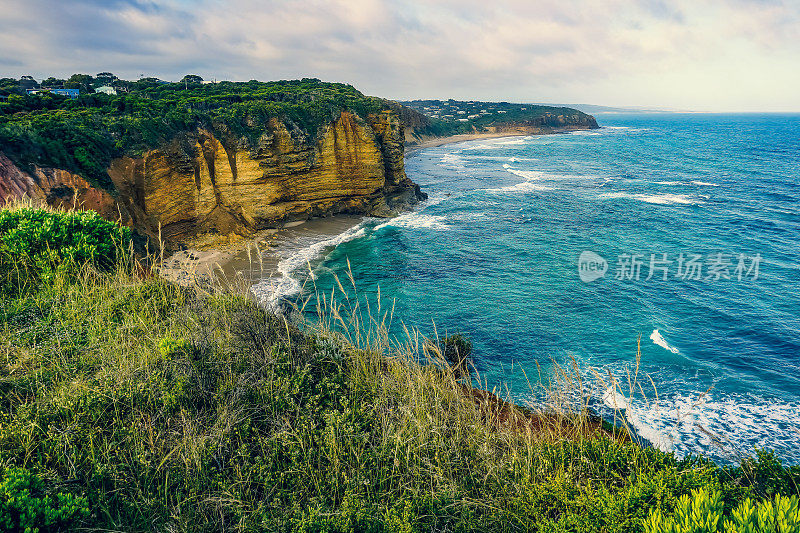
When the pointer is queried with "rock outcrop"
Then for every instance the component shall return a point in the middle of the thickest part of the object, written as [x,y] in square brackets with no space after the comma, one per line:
[547,123]
[206,183]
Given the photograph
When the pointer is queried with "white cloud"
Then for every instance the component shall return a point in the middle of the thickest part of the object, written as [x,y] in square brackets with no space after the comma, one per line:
[701,55]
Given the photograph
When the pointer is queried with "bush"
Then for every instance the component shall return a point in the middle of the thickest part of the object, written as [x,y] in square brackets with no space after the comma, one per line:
[704,512]
[35,243]
[25,507]
[456,350]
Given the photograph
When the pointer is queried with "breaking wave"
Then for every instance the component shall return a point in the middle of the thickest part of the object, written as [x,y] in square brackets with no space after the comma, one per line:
[272,291]
[662,199]
[659,340]
[414,219]
[689,424]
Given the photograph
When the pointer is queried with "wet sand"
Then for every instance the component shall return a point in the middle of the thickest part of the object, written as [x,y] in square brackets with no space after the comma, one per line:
[240,263]
[440,141]
[248,261]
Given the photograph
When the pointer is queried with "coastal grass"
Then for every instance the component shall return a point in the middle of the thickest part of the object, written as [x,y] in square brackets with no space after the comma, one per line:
[129,403]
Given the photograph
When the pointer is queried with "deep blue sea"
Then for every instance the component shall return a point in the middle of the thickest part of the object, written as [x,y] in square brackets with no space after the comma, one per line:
[709,202]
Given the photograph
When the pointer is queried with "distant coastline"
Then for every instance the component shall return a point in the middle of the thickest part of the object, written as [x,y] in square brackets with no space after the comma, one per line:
[433,142]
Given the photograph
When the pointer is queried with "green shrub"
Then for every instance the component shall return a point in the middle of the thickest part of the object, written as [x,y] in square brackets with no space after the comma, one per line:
[24,506]
[704,512]
[456,350]
[766,476]
[36,243]
[780,514]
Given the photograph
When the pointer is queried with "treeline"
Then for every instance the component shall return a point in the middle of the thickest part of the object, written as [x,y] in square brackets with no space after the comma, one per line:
[82,135]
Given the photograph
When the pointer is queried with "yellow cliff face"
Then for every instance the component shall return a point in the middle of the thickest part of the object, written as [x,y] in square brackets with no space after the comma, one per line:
[200,183]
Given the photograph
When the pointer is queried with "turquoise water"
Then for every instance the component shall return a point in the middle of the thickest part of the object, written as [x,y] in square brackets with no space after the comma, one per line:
[494,254]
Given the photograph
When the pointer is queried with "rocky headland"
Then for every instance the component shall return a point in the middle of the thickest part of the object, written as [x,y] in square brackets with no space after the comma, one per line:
[205,164]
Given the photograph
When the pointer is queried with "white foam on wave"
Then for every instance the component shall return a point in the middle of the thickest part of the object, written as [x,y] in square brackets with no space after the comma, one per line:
[527,174]
[661,199]
[622,129]
[659,340]
[270,292]
[520,140]
[614,399]
[669,183]
[525,186]
[415,219]
[539,175]
[727,427]
[534,176]
[704,183]
[724,427]
[481,146]
[453,161]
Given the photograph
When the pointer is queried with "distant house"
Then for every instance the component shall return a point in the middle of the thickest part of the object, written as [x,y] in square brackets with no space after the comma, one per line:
[106,89]
[70,93]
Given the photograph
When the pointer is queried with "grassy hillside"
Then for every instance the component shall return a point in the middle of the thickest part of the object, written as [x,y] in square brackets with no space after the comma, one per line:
[84,134]
[128,403]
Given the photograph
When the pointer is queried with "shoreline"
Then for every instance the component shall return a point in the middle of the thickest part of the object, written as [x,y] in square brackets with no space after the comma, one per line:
[236,261]
[464,137]
[246,262]
[434,142]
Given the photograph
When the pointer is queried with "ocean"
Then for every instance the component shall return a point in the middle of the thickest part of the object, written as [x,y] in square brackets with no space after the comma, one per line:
[682,230]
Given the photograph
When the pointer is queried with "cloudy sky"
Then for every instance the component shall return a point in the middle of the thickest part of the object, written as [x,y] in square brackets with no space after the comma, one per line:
[705,55]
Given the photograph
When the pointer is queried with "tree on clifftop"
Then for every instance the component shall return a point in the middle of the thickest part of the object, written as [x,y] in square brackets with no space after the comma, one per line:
[79,81]
[192,79]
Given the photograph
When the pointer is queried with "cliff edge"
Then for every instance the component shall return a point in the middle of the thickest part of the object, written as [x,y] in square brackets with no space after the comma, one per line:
[213,179]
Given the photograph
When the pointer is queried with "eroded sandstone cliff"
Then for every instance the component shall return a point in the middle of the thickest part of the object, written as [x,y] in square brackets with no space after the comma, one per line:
[201,182]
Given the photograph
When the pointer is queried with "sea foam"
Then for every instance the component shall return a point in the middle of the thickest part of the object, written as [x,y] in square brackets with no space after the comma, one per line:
[453,161]
[703,424]
[272,291]
[661,199]
[659,340]
[415,219]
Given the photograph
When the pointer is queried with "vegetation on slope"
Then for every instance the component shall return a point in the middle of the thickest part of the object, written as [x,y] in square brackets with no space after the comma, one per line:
[453,117]
[84,134]
[129,403]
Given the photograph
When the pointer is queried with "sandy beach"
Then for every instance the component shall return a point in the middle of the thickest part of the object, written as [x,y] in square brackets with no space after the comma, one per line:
[440,141]
[242,262]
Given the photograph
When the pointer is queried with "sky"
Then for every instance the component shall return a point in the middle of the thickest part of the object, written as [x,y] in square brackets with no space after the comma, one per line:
[700,55]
